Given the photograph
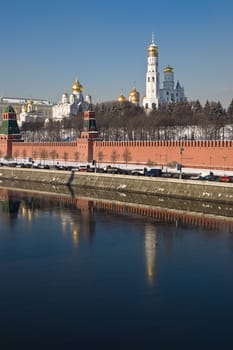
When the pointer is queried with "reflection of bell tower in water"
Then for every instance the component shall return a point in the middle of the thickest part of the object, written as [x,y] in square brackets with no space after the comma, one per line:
[150,250]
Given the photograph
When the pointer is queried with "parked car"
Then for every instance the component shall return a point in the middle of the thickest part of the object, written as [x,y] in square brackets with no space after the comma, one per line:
[154,172]
[139,171]
[210,177]
[224,179]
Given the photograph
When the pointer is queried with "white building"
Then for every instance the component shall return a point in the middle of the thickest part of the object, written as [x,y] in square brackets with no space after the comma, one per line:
[150,101]
[71,104]
[29,112]
[169,93]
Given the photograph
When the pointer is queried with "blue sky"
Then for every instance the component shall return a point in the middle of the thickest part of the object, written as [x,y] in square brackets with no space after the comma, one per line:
[47,44]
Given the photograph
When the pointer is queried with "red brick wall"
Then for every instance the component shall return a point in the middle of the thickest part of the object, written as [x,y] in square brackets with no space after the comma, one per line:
[199,154]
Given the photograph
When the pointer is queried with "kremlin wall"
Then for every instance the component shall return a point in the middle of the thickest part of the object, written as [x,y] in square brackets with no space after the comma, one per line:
[198,154]
[191,154]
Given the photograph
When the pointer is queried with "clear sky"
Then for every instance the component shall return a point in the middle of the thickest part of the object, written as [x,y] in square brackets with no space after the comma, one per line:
[47,44]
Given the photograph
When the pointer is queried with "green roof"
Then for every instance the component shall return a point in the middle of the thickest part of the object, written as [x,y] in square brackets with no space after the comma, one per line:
[9,109]
[9,127]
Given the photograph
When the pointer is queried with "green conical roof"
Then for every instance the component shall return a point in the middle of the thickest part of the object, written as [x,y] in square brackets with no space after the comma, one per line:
[9,109]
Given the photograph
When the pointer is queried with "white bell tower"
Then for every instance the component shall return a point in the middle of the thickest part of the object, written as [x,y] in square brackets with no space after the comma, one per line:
[151,99]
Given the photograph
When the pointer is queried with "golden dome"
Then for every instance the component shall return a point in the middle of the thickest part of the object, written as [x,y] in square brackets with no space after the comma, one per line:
[134,96]
[121,98]
[77,87]
[168,69]
[30,102]
[134,93]
[152,50]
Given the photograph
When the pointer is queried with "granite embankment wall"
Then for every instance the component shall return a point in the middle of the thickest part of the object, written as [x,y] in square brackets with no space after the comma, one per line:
[162,187]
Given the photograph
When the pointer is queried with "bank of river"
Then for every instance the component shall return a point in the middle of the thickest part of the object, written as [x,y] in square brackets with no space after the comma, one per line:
[162,187]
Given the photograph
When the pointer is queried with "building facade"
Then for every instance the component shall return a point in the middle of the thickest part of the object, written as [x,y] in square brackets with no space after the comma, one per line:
[70,105]
[41,108]
[170,93]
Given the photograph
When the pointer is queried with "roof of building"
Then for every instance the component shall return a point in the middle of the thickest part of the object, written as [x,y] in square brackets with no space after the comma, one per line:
[178,86]
[9,109]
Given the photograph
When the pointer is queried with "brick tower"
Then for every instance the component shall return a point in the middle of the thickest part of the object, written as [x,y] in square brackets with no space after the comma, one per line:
[88,136]
[9,132]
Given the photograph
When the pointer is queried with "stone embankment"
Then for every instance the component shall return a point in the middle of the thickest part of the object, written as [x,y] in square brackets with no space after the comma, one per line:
[161,187]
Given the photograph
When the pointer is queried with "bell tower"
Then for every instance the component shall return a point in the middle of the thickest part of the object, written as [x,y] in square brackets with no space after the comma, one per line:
[150,101]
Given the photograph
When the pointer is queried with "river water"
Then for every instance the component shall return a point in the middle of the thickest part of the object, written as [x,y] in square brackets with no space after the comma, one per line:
[77,273]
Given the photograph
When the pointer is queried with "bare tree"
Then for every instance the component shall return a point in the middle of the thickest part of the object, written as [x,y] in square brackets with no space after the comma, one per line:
[53,155]
[114,156]
[65,156]
[43,154]
[16,154]
[127,156]
[76,156]
[24,153]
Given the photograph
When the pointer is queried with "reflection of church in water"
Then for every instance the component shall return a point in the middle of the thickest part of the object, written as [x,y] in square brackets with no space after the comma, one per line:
[77,216]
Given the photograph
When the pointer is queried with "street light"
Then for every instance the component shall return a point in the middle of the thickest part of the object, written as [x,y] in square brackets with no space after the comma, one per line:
[181,152]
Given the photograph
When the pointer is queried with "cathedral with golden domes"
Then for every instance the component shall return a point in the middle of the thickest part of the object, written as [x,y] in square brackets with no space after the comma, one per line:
[156,96]
[70,105]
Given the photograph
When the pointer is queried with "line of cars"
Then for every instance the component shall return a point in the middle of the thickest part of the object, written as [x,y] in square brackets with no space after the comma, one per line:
[152,172]
[212,177]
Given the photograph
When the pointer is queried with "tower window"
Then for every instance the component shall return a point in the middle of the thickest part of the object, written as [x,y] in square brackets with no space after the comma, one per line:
[153,79]
[148,79]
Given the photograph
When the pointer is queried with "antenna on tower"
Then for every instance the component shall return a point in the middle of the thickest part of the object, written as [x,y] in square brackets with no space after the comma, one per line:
[153,38]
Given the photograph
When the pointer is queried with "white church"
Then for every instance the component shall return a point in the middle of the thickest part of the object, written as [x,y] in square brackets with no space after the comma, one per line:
[70,105]
[169,93]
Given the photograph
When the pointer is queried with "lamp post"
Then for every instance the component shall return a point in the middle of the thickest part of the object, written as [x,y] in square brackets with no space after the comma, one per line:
[181,152]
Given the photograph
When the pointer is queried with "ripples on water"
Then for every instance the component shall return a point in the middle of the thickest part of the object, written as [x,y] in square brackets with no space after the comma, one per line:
[78,275]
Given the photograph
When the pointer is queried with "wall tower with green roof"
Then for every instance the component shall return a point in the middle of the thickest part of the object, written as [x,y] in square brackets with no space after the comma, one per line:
[9,132]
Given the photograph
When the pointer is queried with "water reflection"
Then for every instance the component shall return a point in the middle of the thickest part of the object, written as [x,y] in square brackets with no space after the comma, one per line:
[150,251]
[29,204]
[74,259]
[77,216]
[9,206]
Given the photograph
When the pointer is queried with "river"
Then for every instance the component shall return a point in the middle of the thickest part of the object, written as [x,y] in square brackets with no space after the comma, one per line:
[79,272]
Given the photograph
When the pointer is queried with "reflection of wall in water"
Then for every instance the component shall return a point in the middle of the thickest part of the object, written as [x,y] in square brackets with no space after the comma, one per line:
[9,206]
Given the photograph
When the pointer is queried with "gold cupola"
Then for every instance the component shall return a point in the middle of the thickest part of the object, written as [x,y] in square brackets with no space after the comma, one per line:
[77,88]
[152,49]
[121,98]
[134,96]
[168,69]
